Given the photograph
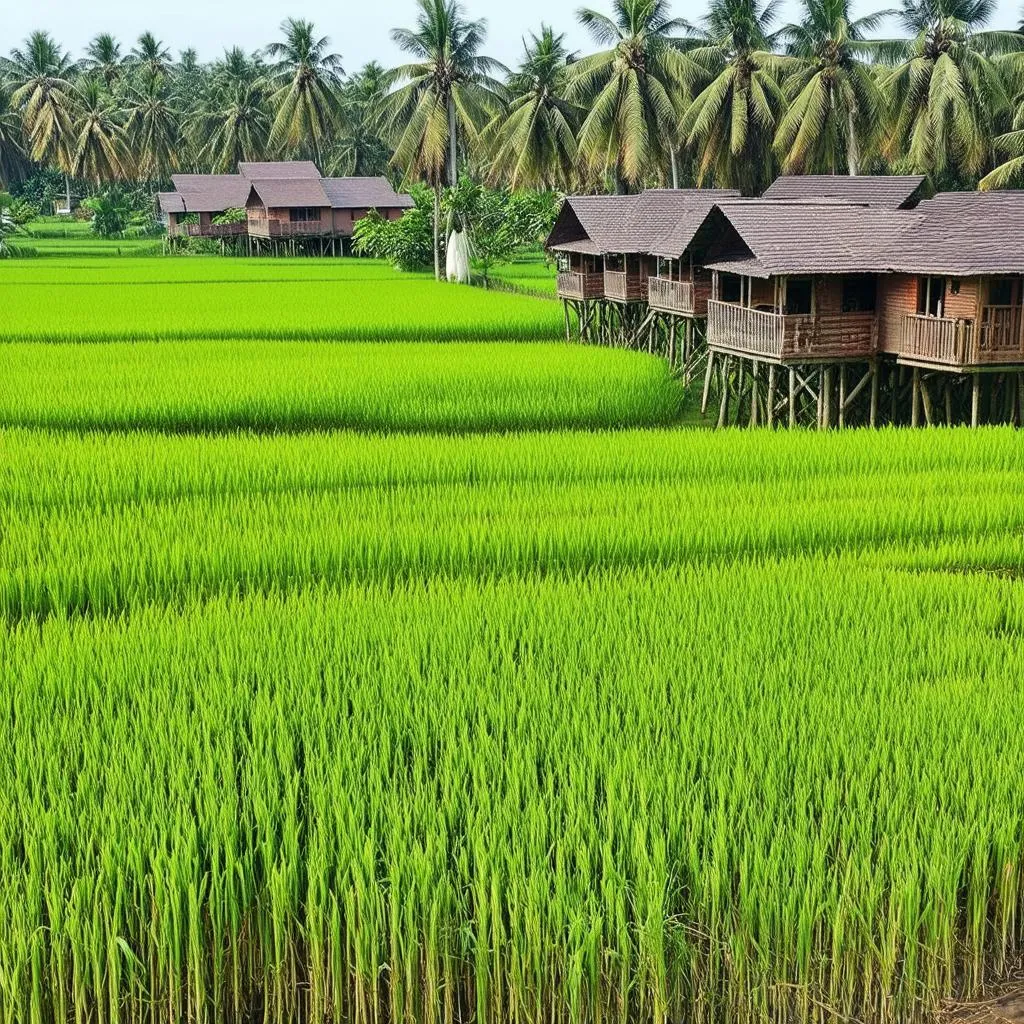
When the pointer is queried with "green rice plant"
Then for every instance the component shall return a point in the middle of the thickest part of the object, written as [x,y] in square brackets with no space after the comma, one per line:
[311,300]
[290,386]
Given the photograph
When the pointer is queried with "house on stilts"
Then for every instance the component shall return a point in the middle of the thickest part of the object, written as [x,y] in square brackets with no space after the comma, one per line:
[828,301]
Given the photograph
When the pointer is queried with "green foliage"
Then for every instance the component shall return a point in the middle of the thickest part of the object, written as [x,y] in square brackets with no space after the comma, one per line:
[236,215]
[406,243]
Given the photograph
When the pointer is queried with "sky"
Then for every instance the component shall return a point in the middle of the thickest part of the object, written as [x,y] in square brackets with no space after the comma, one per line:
[358,29]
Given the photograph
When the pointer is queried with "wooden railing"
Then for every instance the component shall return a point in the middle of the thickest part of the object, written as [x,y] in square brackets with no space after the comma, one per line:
[744,330]
[287,229]
[753,332]
[216,230]
[999,338]
[575,284]
[670,296]
[936,339]
[621,286]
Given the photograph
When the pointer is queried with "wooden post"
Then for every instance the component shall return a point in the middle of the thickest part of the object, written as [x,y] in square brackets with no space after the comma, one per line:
[915,388]
[707,382]
[753,393]
[842,395]
[926,403]
[771,394]
[565,309]
[874,393]
[948,396]
[672,341]
[826,402]
[1020,399]
[975,398]
[792,397]
[723,408]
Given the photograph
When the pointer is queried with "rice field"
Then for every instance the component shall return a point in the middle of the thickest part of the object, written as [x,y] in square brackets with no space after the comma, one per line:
[209,298]
[511,701]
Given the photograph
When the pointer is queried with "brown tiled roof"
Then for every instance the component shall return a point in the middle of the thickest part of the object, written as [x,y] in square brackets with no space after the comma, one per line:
[889,191]
[286,192]
[665,220]
[965,233]
[170,202]
[600,223]
[211,193]
[364,194]
[786,237]
[279,169]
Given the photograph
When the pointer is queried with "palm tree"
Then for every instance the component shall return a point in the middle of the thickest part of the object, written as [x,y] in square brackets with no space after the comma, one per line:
[238,128]
[40,74]
[834,108]
[103,59]
[633,89]
[97,147]
[153,128]
[535,139]
[946,91]
[361,148]
[732,122]
[449,88]
[13,163]
[150,56]
[308,80]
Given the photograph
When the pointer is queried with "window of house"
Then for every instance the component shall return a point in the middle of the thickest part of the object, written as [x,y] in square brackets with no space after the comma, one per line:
[303,214]
[859,294]
[1000,292]
[798,296]
[931,293]
[729,285]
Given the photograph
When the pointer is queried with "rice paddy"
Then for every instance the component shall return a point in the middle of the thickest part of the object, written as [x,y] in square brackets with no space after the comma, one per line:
[512,701]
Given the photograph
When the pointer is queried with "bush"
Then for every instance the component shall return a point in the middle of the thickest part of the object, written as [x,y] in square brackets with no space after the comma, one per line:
[407,243]
[236,215]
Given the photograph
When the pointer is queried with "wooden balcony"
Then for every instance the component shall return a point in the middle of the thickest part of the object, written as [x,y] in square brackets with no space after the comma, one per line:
[261,228]
[575,284]
[620,286]
[671,296]
[793,337]
[995,340]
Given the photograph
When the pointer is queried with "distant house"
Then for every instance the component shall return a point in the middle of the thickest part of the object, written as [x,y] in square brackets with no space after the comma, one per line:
[281,199]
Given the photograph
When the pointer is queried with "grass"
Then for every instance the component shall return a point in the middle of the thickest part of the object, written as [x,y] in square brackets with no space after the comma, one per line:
[536,725]
[531,274]
[221,299]
[271,385]
[455,714]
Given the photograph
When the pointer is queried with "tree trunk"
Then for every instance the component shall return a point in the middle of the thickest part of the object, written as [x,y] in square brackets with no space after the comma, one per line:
[437,231]
[453,144]
[852,149]
[675,166]
[67,192]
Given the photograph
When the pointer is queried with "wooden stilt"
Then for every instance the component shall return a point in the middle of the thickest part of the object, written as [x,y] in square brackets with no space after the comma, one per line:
[753,393]
[926,402]
[771,395]
[915,388]
[723,408]
[975,398]
[792,397]
[707,383]
[565,309]
[948,398]
[1020,399]
[842,395]
[826,401]
[873,414]
[672,341]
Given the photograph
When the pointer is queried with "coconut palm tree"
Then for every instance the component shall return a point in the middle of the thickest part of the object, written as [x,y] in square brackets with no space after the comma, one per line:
[834,104]
[104,60]
[732,122]
[151,57]
[947,91]
[39,74]
[13,163]
[448,89]
[153,128]
[361,148]
[633,89]
[308,80]
[97,145]
[534,141]
[238,127]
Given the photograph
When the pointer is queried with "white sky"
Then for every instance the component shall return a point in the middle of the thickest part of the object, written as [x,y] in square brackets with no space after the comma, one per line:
[359,29]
